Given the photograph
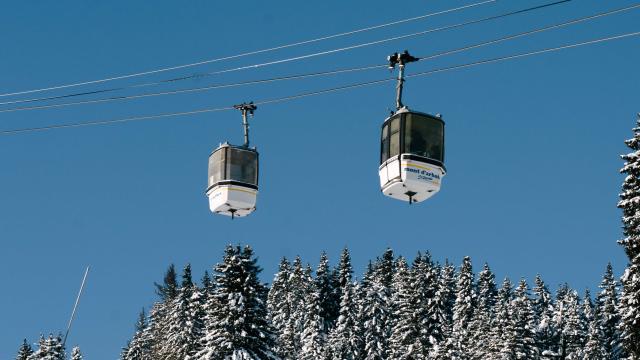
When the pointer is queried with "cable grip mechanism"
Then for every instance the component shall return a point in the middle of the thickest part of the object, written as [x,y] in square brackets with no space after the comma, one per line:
[401,60]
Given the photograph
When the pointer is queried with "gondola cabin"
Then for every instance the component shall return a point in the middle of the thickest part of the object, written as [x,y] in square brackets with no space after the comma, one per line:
[412,155]
[233,180]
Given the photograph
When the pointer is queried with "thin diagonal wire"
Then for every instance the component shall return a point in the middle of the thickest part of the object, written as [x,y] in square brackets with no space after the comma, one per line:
[530,32]
[521,55]
[197,89]
[275,48]
[325,91]
[331,72]
[301,57]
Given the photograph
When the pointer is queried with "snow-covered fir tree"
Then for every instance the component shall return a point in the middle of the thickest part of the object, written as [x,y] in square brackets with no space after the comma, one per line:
[139,348]
[608,317]
[376,308]
[442,309]
[239,327]
[314,334]
[299,286]
[519,337]
[593,348]
[76,354]
[546,334]
[158,327]
[500,322]
[463,310]
[480,326]
[345,340]
[281,311]
[326,291]
[572,335]
[405,324]
[184,320]
[49,348]
[630,205]
[424,280]
[24,351]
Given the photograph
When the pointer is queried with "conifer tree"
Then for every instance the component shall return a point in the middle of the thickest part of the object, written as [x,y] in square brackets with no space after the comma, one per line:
[572,335]
[345,339]
[405,325]
[442,310]
[481,324]
[49,349]
[424,281]
[159,314]
[542,304]
[519,336]
[325,285]
[280,310]
[169,288]
[238,328]
[630,298]
[593,348]
[185,320]
[463,309]
[608,317]
[314,334]
[76,354]
[299,285]
[139,348]
[25,351]
[376,307]
[501,320]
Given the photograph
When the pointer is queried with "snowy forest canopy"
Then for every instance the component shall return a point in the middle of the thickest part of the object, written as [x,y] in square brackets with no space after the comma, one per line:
[401,309]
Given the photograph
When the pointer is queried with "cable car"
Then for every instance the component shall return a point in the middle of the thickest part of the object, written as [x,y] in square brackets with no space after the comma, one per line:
[233,174]
[412,148]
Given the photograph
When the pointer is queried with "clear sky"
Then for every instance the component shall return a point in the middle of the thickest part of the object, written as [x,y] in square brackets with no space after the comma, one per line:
[533,150]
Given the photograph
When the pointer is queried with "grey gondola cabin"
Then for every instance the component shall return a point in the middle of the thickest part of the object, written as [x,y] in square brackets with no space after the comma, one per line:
[232,185]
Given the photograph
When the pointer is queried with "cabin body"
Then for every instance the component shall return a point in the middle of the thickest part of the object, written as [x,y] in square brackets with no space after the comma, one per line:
[233,180]
[411,155]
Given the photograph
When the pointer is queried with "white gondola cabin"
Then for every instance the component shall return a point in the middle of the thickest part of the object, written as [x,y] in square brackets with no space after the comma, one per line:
[411,156]
[233,174]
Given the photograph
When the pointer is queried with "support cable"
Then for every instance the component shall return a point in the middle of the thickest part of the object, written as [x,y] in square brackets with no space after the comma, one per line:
[300,57]
[325,91]
[315,74]
[275,48]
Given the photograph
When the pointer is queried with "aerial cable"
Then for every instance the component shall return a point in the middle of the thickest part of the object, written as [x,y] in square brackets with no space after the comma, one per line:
[530,32]
[526,54]
[325,91]
[275,48]
[306,56]
[196,89]
[324,73]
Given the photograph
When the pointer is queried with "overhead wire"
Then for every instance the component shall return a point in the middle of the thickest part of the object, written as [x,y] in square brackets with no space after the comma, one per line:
[300,57]
[330,72]
[324,91]
[255,52]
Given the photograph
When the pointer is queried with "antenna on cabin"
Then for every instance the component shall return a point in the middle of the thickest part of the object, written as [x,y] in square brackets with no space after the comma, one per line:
[75,306]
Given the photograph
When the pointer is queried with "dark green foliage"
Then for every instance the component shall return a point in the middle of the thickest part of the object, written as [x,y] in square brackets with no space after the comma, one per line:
[24,351]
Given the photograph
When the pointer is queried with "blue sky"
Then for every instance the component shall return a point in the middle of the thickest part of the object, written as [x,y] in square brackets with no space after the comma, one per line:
[533,150]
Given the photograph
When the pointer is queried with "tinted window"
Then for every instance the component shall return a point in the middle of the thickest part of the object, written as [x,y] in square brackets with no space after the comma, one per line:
[424,136]
[242,166]
[394,143]
[384,148]
[216,166]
